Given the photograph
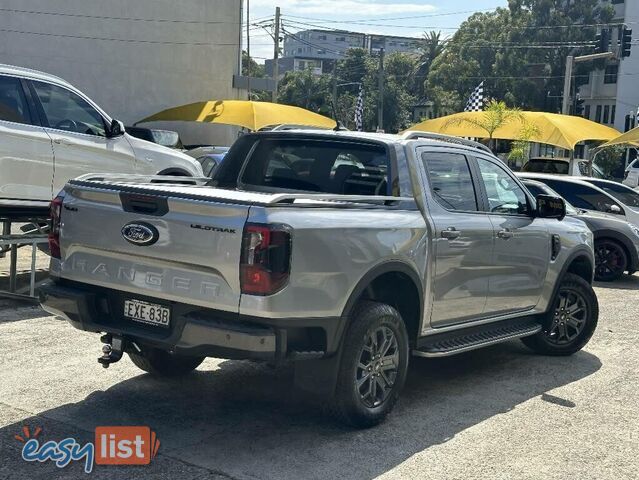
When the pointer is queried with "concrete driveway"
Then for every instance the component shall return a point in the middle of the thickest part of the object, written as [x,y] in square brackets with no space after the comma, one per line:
[502,412]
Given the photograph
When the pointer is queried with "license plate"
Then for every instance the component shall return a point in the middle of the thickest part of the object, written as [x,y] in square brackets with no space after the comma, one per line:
[145,312]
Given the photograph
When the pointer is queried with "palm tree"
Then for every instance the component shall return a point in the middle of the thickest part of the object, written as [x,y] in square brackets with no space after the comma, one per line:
[496,115]
[432,46]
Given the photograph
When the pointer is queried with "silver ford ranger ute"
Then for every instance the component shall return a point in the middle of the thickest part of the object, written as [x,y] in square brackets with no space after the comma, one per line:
[344,253]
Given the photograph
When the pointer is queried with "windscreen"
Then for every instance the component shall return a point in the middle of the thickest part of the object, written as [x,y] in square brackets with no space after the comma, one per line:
[321,166]
[546,166]
[537,190]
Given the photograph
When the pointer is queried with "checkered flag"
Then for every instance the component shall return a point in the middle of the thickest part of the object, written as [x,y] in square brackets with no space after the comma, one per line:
[476,100]
[359,110]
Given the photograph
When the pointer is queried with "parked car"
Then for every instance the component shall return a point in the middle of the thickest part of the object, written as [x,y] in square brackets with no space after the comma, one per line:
[417,245]
[616,241]
[166,138]
[210,157]
[631,175]
[581,193]
[51,132]
[561,166]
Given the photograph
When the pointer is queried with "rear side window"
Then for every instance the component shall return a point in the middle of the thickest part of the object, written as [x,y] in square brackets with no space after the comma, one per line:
[13,103]
[581,196]
[317,166]
[450,181]
[546,166]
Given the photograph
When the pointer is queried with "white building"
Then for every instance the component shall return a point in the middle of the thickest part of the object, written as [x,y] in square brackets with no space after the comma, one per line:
[133,57]
[612,94]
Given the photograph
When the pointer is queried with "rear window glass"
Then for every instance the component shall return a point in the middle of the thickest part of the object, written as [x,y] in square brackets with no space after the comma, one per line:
[317,166]
[546,166]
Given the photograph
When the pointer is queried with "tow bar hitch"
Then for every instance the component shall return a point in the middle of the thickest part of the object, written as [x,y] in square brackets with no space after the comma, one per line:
[112,349]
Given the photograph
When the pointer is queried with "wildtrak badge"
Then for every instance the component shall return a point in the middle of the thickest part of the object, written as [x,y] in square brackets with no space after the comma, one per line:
[209,228]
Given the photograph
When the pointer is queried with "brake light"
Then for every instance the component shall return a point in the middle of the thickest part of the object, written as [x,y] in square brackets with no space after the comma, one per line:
[265,260]
[55,214]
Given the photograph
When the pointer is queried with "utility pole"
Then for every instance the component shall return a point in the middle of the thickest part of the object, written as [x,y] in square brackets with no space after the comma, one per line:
[248,48]
[380,111]
[276,55]
[570,63]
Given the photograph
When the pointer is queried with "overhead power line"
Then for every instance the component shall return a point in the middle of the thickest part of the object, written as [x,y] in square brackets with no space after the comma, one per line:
[317,24]
[126,40]
[104,17]
[412,17]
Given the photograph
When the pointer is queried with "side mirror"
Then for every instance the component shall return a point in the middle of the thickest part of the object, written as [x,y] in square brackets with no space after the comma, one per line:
[551,207]
[614,209]
[116,129]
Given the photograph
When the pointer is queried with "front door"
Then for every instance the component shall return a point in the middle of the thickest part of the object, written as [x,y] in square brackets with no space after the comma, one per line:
[463,240]
[26,155]
[78,132]
[522,243]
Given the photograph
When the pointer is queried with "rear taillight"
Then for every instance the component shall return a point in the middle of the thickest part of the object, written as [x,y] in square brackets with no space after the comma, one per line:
[55,214]
[265,260]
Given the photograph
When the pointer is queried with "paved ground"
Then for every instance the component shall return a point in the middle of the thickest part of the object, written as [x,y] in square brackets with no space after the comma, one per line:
[497,413]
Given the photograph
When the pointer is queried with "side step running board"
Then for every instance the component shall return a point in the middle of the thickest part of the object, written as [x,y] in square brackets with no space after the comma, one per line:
[451,343]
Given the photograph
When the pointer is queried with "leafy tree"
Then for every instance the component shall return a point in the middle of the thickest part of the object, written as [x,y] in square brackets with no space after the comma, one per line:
[306,90]
[520,51]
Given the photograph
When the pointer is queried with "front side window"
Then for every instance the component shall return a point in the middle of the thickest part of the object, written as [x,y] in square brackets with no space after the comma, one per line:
[505,196]
[625,195]
[13,103]
[318,166]
[450,181]
[64,110]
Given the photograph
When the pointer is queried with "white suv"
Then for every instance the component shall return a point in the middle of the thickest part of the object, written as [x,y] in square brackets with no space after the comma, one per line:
[50,132]
[631,177]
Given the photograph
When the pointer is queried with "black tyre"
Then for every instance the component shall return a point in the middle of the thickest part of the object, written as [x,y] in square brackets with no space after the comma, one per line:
[373,367]
[571,321]
[611,260]
[164,364]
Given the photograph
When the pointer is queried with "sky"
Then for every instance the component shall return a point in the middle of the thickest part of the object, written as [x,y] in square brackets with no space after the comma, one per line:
[392,17]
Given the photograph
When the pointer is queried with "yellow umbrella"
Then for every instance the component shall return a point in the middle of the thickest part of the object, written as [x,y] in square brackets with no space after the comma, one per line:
[563,131]
[631,137]
[244,113]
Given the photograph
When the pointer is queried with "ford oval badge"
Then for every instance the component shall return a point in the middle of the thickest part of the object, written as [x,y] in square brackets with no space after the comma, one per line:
[141,234]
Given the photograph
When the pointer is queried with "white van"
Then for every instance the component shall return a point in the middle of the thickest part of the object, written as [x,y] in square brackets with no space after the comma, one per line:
[50,132]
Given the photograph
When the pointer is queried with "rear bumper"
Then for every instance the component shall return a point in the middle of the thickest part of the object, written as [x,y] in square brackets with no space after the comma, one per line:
[193,330]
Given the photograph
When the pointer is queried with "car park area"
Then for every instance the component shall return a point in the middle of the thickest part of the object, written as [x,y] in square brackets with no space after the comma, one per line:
[500,412]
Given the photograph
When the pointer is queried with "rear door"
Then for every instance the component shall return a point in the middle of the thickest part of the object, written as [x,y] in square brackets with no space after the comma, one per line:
[522,242]
[26,155]
[78,133]
[463,239]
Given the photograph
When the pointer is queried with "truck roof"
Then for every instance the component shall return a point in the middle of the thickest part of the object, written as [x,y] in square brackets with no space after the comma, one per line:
[408,137]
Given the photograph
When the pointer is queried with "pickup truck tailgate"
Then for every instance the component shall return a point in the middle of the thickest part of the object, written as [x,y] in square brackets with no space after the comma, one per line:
[192,254]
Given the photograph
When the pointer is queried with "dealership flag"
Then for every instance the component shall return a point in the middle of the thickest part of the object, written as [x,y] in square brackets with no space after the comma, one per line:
[359,110]
[476,100]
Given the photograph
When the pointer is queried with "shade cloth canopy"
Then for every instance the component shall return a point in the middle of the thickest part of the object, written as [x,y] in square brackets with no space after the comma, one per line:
[563,131]
[243,113]
[631,137]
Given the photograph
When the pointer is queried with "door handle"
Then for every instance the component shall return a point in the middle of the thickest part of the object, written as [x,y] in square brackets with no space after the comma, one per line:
[506,233]
[451,233]
[62,141]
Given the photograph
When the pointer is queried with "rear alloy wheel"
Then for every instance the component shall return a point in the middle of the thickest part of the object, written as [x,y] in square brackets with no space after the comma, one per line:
[571,322]
[611,261]
[373,366]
